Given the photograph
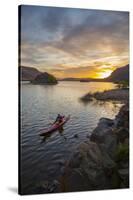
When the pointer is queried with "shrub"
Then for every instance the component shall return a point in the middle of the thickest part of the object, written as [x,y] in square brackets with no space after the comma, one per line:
[122,152]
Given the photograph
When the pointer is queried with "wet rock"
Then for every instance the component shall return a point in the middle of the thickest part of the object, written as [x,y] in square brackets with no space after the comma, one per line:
[76,136]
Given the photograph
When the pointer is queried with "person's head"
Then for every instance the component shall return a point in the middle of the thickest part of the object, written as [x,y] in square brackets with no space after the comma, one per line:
[58,115]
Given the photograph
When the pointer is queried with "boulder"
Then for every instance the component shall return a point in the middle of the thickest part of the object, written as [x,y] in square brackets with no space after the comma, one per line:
[90,168]
[104,127]
[106,121]
[104,134]
[122,119]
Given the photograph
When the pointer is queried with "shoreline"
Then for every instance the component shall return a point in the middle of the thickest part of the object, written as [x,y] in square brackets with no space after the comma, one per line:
[121,95]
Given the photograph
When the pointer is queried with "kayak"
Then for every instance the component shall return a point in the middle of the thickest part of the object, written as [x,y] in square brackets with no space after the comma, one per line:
[56,126]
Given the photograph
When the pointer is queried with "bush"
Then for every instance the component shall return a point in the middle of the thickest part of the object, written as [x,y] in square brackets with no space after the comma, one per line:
[123,84]
[122,152]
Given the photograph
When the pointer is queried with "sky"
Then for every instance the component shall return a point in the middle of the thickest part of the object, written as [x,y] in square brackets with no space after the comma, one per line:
[70,42]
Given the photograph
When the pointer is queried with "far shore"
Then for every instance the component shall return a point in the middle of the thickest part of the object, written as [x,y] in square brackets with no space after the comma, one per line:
[121,95]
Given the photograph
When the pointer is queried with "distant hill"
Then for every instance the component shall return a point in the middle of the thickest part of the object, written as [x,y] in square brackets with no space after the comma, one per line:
[35,76]
[44,79]
[120,74]
[91,80]
[28,73]
[70,79]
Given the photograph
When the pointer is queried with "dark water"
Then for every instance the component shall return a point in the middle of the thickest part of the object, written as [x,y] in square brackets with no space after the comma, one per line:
[41,159]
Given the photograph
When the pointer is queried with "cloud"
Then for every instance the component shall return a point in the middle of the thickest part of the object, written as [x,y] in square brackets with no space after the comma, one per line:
[98,30]
[64,39]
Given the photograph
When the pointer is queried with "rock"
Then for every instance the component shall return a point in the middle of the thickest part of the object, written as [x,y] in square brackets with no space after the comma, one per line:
[74,180]
[104,134]
[110,142]
[106,121]
[104,128]
[89,169]
[107,161]
[126,141]
[49,187]
[74,163]
[124,175]
[76,136]
[55,186]
[62,170]
[99,134]
[43,187]
[61,162]
[122,134]
[87,98]
[122,118]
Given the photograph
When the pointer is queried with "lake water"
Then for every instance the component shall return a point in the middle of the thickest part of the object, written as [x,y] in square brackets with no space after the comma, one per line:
[41,159]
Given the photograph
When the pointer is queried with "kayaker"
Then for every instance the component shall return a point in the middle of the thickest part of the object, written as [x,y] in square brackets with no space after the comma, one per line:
[58,118]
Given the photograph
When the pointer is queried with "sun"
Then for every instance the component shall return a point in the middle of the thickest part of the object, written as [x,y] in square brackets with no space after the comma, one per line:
[105,74]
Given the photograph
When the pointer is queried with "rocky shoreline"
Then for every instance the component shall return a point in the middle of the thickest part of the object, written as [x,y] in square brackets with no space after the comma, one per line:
[102,161]
[113,95]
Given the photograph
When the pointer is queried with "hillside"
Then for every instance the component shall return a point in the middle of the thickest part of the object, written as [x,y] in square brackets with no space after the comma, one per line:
[28,73]
[44,79]
[120,74]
